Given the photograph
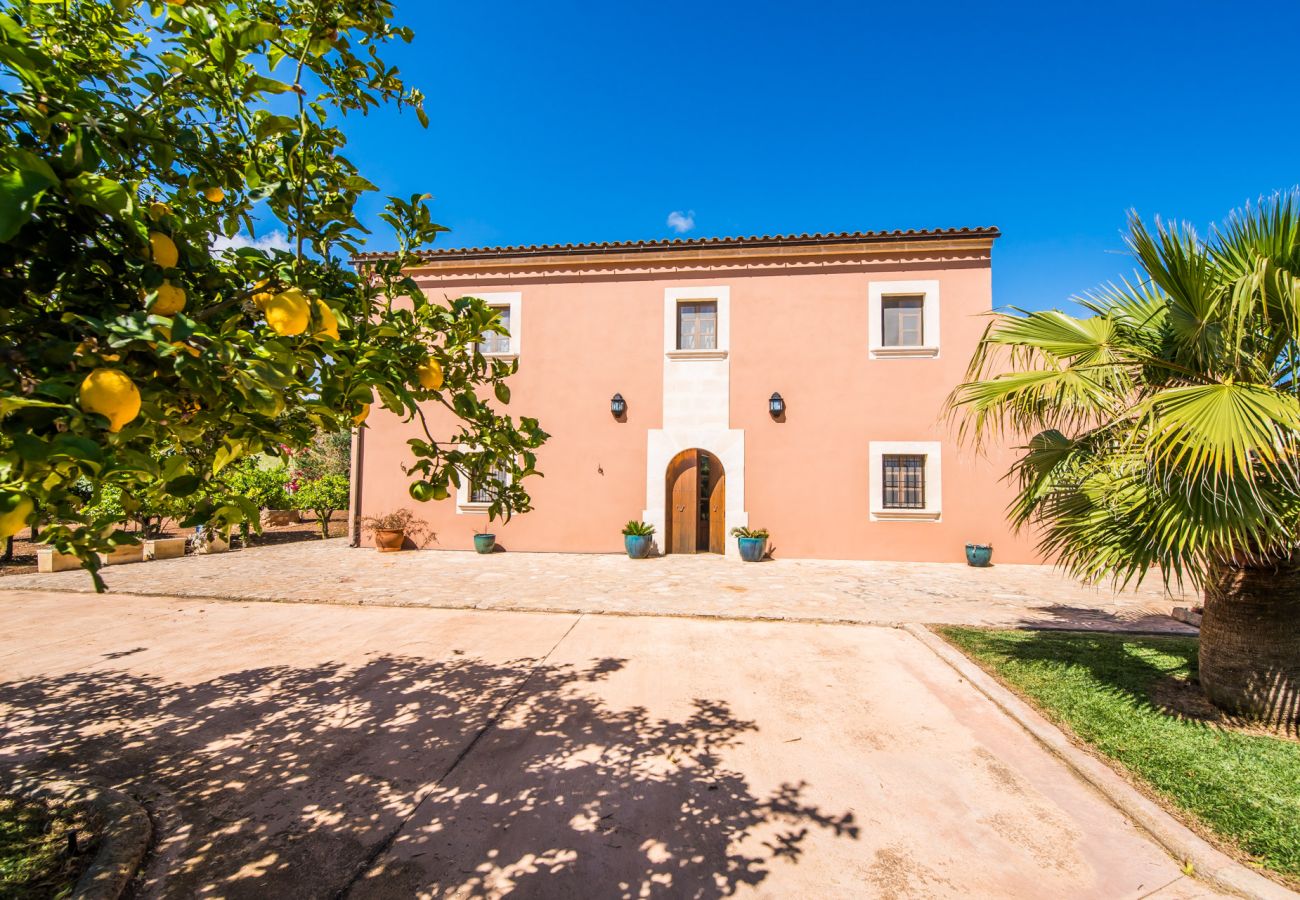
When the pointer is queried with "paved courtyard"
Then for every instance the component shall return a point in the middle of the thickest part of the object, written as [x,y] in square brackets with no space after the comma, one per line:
[326,750]
[793,590]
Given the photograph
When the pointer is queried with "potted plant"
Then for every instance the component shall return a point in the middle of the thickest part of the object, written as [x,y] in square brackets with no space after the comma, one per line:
[637,538]
[753,543]
[392,529]
[979,555]
[484,542]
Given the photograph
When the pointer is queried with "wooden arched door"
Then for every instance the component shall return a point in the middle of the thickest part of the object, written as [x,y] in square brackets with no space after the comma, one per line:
[697,503]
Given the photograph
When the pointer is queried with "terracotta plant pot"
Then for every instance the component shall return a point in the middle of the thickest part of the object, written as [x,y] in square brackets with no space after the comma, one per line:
[389,540]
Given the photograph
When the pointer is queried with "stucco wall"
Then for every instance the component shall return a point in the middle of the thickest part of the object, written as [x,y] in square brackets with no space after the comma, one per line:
[800,331]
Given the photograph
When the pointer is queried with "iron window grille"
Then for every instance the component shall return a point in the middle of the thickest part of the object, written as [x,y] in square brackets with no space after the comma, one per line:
[487,491]
[904,481]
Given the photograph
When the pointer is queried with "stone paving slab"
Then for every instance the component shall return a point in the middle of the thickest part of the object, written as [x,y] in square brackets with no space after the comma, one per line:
[884,593]
[321,751]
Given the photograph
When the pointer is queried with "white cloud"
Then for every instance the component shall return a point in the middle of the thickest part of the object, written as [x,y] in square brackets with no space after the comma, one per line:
[275,240]
[681,222]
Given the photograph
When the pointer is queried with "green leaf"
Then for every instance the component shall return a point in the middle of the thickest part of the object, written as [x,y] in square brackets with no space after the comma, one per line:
[184,485]
[102,194]
[11,402]
[502,391]
[20,191]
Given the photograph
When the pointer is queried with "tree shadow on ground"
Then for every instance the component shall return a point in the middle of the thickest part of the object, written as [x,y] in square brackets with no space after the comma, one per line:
[294,781]
[1082,618]
[1113,661]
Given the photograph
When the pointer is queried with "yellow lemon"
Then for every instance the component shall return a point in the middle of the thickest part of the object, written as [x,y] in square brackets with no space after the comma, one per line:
[158,209]
[164,249]
[329,323]
[361,416]
[170,300]
[261,296]
[214,194]
[15,512]
[288,312]
[430,374]
[111,394]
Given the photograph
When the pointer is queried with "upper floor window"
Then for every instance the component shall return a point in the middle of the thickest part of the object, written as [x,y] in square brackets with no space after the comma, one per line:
[902,321]
[903,480]
[494,343]
[697,325]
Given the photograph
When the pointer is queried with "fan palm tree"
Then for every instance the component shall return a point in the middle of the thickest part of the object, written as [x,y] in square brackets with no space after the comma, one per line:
[1163,432]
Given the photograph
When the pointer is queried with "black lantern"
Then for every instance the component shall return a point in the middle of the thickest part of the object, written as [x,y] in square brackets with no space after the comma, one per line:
[776,405]
[618,406]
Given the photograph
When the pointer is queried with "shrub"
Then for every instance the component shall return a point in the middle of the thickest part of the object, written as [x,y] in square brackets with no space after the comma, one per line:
[323,496]
[329,453]
[638,529]
[743,532]
[263,487]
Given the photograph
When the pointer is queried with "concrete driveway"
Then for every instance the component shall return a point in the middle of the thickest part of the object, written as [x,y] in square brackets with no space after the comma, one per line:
[318,751]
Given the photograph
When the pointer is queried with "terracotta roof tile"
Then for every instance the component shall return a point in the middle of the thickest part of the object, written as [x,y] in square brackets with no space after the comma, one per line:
[843,237]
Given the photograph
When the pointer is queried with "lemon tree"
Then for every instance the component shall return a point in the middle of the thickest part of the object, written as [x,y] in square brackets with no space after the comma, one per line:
[136,139]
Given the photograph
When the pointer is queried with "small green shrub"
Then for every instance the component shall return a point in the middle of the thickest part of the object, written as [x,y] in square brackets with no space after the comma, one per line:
[638,529]
[263,487]
[743,532]
[323,496]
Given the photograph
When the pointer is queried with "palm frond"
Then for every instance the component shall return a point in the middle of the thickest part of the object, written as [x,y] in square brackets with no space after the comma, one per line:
[1166,424]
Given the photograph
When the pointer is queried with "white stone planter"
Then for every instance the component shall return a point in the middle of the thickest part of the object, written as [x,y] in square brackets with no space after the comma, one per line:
[122,555]
[165,548]
[215,545]
[50,560]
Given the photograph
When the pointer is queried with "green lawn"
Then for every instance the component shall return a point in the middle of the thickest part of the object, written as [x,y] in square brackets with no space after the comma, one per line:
[1244,788]
[34,862]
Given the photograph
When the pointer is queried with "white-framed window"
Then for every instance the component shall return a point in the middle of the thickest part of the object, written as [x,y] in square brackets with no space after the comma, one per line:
[509,306]
[697,322]
[904,319]
[906,481]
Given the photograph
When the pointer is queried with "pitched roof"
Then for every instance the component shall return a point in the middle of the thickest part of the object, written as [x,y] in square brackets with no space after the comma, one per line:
[755,241]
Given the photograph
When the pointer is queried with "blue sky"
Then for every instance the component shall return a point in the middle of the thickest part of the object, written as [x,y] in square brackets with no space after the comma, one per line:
[568,121]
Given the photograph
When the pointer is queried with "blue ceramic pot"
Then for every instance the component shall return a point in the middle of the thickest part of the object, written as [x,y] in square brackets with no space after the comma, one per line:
[638,545]
[979,555]
[485,543]
[752,549]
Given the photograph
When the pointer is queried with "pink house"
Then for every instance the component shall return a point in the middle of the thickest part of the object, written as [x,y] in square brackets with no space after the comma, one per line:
[793,383]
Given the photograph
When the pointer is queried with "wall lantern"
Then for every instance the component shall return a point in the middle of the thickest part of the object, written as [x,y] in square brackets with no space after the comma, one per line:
[618,406]
[776,405]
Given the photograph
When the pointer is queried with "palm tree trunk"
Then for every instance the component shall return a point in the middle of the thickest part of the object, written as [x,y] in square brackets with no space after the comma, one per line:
[1250,643]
